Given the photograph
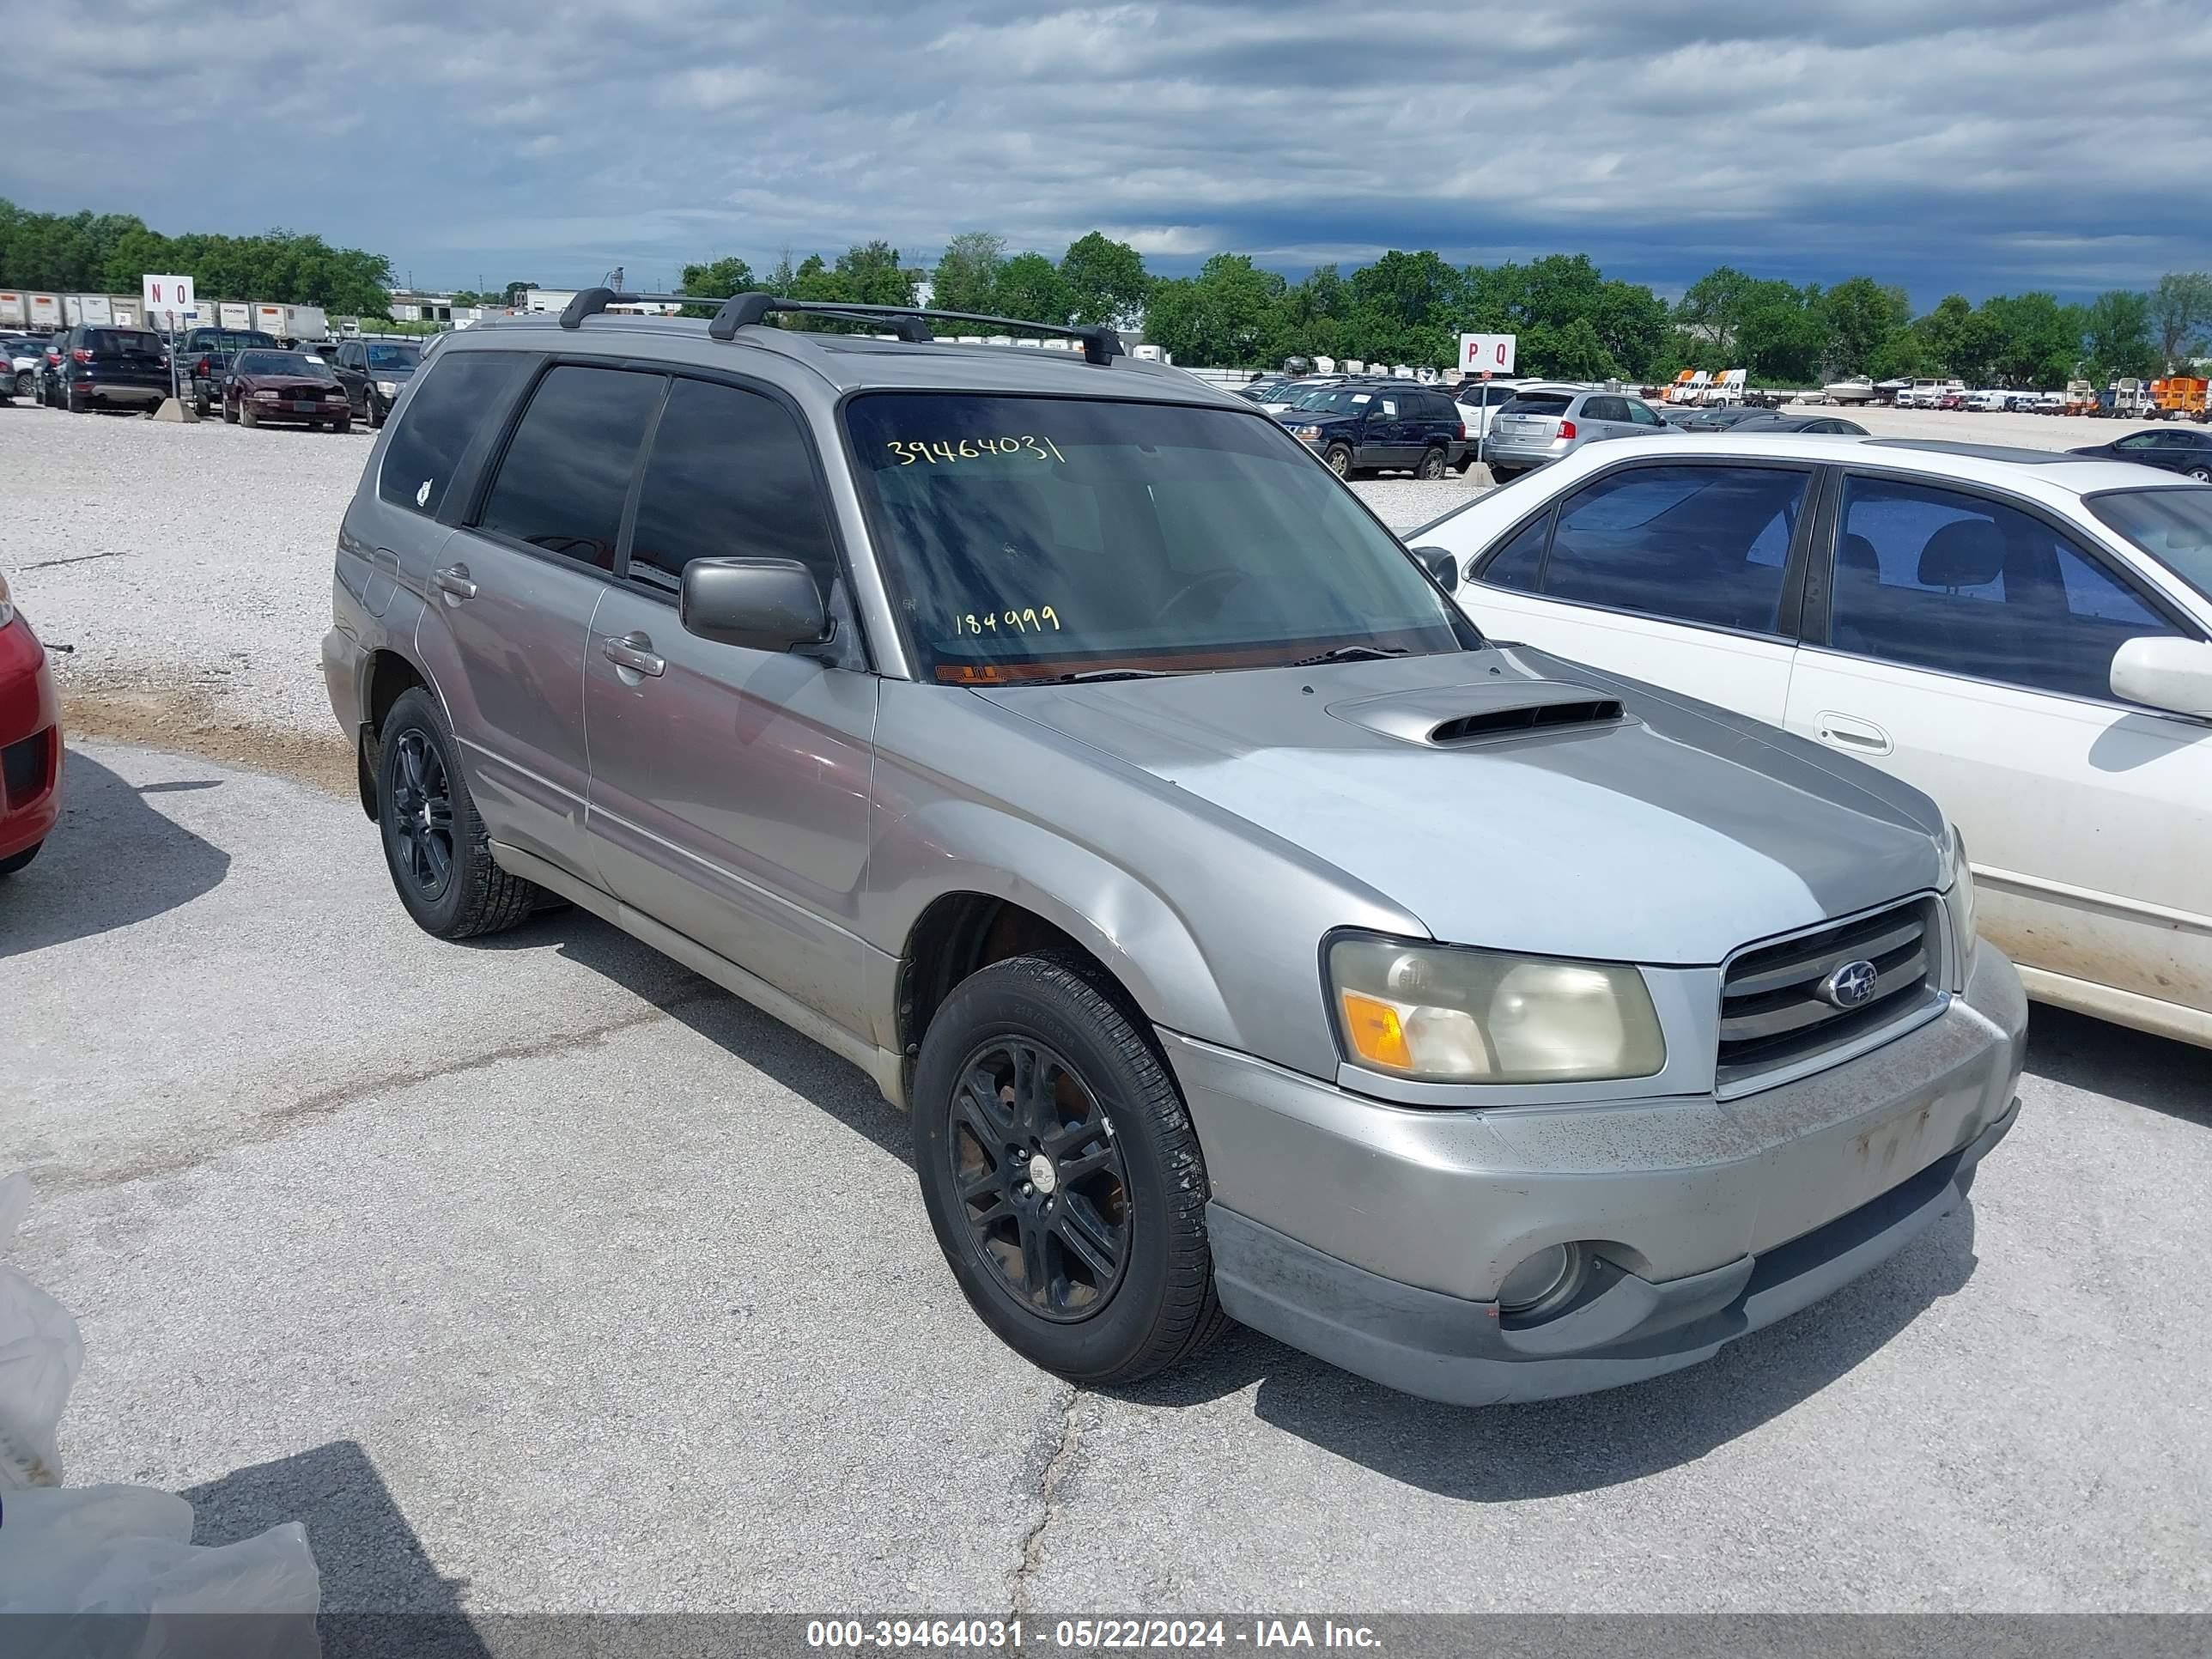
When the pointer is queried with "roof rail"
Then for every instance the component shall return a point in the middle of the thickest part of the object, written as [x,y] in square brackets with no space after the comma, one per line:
[1100,344]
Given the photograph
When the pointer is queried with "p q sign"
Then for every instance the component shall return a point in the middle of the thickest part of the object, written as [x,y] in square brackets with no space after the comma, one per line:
[162,293]
[1487,354]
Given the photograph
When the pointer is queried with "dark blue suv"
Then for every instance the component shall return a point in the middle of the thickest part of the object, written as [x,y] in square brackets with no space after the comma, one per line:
[1367,426]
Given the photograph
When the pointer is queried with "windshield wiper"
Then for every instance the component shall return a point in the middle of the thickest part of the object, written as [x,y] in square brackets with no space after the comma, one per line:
[1088,674]
[1352,653]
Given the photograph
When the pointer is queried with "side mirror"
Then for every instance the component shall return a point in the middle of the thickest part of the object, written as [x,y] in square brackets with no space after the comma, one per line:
[1442,565]
[2175,675]
[763,604]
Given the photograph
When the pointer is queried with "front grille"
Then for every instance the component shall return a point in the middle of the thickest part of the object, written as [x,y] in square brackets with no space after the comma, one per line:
[23,769]
[1773,1014]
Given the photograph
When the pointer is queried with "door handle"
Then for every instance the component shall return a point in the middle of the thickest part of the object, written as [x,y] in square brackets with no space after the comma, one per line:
[633,651]
[454,578]
[1848,731]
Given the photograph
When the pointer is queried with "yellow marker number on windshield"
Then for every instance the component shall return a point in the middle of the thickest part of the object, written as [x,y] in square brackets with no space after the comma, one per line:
[1038,620]
[944,452]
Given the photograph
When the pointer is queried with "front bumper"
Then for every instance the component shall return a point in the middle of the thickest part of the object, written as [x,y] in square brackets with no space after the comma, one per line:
[1375,1236]
[30,742]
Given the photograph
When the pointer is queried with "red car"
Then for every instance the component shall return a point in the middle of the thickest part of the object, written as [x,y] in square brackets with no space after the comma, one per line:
[285,385]
[30,742]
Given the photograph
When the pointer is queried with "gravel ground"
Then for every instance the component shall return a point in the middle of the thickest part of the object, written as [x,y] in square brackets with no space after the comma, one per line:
[537,1273]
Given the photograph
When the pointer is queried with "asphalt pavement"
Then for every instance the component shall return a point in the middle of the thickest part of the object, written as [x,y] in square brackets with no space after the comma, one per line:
[539,1274]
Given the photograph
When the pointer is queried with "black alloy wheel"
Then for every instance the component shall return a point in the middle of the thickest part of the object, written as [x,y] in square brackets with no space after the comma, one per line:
[423,814]
[1043,1191]
[1432,464]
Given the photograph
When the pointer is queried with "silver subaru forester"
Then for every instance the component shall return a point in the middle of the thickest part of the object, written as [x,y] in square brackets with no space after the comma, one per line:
[1048,734]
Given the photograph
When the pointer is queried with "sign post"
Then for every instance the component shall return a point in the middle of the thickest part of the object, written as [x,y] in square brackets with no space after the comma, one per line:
[1486,355]
[166,297]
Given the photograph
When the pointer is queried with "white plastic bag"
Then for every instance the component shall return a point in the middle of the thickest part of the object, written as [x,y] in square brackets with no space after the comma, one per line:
[88,1557]
[40,1354]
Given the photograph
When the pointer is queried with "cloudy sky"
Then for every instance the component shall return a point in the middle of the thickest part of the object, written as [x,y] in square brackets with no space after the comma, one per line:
[1983,145]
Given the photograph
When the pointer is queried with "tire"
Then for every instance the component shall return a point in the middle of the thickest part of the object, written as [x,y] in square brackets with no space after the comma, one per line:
[342,424]
[376,417]
[1338,457]
[314,426]
[1155,1305]
[434,844]
[229,413]
[2202,475]
[16,861]
[23,386]
[200,405]
[73,401]
[247,415]
[1433,465]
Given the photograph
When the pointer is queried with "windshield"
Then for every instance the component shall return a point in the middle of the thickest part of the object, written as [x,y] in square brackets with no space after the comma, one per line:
[394,356]
[1025,538]
[2174,526]
[1334,400]
[284,362]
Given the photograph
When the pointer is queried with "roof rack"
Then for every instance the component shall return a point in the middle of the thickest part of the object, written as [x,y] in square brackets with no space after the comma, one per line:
[1101,345]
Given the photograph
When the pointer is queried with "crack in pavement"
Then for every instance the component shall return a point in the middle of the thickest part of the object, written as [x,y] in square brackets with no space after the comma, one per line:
[1049,1482]
[270,1125]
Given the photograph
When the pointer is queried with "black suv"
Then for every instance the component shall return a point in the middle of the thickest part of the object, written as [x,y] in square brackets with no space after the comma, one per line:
[204,357]
[373,374]
[1366,426]
[105,365]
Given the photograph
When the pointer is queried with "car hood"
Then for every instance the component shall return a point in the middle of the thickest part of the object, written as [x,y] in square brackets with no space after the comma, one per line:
[1672,834]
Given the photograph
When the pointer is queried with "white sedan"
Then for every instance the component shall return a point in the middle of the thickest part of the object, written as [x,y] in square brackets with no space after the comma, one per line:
[2021,634]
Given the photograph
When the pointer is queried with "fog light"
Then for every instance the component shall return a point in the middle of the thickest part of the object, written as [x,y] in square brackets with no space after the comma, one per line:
[1549,1276]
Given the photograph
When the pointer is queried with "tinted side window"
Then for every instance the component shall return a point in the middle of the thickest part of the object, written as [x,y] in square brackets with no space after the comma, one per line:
[1605,409]
[1963,585]
[1701,544]
[566,470]
[1519,562]
[463,390]
[730,476]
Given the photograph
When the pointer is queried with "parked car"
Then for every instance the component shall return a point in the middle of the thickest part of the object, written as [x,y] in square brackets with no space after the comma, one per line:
[373,374]
[2177,449]
[1260,390]
[1288,395]
[203,359]
[2021,634]
[1988,401]
[50,368]
[21,362]
[1543,425]
[1479,402]
[1242,930]
[1371,425]
[30,741]
[1721,419]
[1834,426]
[285,386]
[102,366]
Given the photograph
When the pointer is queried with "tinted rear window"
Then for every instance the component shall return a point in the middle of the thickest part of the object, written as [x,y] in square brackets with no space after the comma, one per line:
[456,395]
[132,341]
[1538,402]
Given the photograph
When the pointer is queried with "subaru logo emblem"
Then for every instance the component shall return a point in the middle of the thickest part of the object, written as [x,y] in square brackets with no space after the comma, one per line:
[1848,986]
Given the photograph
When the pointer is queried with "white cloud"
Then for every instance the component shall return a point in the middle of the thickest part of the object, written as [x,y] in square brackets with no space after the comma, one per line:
[1974,144]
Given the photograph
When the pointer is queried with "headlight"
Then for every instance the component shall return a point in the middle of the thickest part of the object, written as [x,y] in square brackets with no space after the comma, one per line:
[265,397]
[1452,1015]
[1965,925]
[6,605]
[1306,433]
[388,388]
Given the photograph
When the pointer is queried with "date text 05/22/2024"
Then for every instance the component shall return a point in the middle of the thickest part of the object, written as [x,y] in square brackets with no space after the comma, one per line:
[1088,1635]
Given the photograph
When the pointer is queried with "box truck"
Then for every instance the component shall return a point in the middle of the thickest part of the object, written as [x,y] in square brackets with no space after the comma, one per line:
[291,322]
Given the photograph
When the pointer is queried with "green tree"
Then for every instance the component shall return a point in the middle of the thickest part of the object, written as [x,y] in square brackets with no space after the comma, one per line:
[966,274]
[2180,311]
[720,277]
[1229,316]
[2117,341]
[1570,352]
[2029,339]
[1712,307]
[1105,280]
[516,291]
[1861,315]
[1783,335]
[872,275]
[1030,288]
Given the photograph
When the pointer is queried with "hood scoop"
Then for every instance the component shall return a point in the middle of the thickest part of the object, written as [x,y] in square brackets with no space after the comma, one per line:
[1458,717]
